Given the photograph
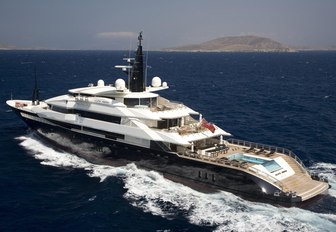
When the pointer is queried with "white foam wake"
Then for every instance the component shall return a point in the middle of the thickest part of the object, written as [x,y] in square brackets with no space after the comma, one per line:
[153,193]
[51,157]
[327,170]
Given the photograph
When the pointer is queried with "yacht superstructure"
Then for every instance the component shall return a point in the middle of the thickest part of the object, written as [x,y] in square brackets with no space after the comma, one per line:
[128,120]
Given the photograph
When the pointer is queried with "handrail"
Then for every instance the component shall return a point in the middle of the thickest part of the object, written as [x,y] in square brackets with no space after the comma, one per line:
[260,173]
[269,177]
[269,148]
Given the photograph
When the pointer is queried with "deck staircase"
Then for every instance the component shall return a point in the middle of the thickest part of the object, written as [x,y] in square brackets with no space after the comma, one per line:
[301,182]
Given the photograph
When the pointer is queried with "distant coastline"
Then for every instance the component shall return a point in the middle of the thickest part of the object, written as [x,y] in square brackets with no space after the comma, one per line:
[169,50]
[248,43]
[243,44]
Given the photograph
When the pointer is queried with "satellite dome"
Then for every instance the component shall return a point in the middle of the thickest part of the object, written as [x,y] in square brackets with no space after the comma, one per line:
[120,84]
[156,82]
[164,84]
[100,83]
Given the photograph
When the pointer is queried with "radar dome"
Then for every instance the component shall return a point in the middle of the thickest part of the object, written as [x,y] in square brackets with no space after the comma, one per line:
[156,82]
[164,84]
[120,84]
[100,83]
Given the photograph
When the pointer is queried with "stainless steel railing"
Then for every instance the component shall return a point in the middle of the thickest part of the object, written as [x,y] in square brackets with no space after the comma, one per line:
[260,173]
[269,148]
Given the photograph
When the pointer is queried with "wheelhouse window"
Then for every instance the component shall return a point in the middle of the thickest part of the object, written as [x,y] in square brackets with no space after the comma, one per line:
[73,94]
[131,102]
[98,116]
[145,101]
[87,114]
[167,123]
[153,101]
[61,109]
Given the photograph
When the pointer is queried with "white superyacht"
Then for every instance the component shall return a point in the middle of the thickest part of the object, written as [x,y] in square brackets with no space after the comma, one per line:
[131,121]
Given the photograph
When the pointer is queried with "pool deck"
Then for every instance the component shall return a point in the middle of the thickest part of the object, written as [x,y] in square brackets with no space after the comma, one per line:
[300,183]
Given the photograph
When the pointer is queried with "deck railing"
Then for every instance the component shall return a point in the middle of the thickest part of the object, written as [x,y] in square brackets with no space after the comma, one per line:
[269,148]
[264,147]
[268,177]
[260,173]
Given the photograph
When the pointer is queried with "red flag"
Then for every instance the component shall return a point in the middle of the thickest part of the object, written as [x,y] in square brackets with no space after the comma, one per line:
[208,125]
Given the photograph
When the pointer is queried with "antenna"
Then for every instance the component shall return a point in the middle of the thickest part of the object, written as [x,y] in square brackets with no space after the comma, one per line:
[129,70]
[135,69]
[140,38]
[137,76]
[35,97]
[146,69]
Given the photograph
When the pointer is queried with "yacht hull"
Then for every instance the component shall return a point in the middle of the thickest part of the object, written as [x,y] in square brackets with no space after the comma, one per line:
[201,176]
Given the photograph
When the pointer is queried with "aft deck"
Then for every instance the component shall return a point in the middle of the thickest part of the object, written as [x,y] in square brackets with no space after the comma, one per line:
[297,181]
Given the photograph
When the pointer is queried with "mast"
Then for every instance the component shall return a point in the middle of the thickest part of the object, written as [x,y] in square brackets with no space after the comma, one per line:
[137,83]
[35,96]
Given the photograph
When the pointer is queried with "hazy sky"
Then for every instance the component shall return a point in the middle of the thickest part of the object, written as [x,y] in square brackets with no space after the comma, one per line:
[113,24]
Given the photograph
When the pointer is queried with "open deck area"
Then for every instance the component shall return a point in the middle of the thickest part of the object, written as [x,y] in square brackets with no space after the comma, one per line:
[278,166]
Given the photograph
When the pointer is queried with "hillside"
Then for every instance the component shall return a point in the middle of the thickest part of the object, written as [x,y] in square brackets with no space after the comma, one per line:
[236,44]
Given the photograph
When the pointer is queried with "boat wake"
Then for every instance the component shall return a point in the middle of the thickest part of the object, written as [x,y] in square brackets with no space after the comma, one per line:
[223,211]
[327,170]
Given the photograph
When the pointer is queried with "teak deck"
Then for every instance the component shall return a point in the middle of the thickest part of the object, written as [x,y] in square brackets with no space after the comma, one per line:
[300,182]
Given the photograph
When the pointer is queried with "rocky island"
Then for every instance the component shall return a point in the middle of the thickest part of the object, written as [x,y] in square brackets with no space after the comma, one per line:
[247,43]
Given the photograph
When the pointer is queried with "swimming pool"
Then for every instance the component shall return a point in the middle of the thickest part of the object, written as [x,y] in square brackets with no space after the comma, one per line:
[270,165]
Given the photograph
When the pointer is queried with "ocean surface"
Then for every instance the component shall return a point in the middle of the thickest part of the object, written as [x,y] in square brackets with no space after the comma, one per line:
[283,99]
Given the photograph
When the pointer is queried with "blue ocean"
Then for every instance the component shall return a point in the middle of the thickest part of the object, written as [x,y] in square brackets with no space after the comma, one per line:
[282,99]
